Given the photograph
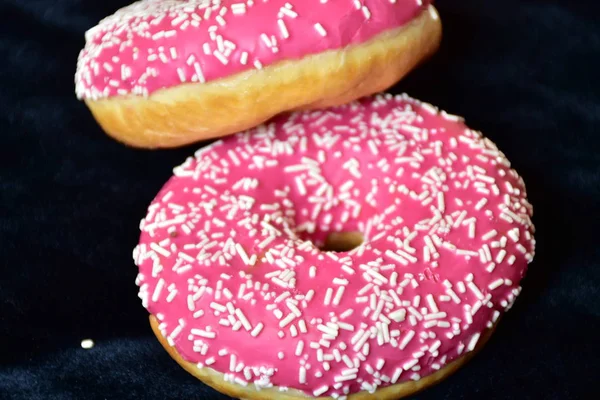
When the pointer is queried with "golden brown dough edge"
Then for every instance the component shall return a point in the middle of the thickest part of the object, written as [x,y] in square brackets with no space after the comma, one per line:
[215,380]
[193,112]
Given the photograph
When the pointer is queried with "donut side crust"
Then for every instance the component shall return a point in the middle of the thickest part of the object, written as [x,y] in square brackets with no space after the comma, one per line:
[193,112]
[215,380]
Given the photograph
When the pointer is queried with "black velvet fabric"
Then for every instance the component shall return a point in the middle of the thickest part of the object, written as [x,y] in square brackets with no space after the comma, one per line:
[523,71]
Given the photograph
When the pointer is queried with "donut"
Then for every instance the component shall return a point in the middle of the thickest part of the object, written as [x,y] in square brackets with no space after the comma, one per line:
[364,251]
[166,73]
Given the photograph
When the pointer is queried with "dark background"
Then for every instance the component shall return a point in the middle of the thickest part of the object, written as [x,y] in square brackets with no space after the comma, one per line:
[525,72]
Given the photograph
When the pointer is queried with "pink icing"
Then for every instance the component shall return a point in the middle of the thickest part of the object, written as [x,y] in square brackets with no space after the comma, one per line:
[155,44]
[229,266]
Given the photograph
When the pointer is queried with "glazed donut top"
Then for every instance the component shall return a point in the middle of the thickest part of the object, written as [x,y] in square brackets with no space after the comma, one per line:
[155,44]
[230,262]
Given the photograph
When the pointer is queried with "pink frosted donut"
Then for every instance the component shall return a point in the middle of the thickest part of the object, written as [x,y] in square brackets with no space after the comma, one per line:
[245,297]
[164,73]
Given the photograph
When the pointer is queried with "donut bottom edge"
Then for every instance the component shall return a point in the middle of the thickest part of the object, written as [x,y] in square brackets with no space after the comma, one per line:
[215,380]
[194,112]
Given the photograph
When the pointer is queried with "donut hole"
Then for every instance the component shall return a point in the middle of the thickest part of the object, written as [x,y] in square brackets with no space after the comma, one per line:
[340,242]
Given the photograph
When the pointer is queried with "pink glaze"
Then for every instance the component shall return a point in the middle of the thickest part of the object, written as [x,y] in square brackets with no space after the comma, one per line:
[155,44]
[229,264]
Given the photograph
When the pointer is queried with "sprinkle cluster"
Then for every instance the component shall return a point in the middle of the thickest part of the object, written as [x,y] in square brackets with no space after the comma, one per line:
[230,260]
[155,44]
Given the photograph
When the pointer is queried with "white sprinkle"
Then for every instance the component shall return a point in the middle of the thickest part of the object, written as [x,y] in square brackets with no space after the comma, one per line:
[87,344]
[199,73]
[290,13]
[500,256]
[257,329]
[513,234]
[338,295]
[283,29]
[366,12]
[340,281]
[266,40]
[244,58]
[432,305]
[453,295]
[495,316]
[320,390]
[302,375]
[221,57]
[327,330]
[409,364]
[232,362]
[293,308]
[302,326]
[441,203]
[497,283]
[395,257]
[489,235]
[171,296]
[154,246]
[328,295]
[204,334]
[475,290]
[398,315]
[437,315]
[347,361]
[218,307]
[480,204]
[289,318]
[472,230]
[242,253]
[396,375]
[158,289]
[487,252]
[319,28]
[473,342]
[407,338]
[243,319]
